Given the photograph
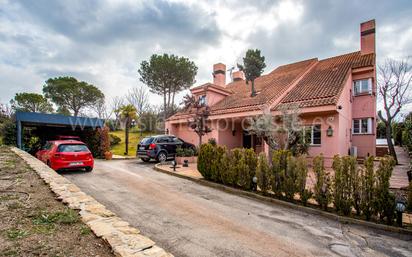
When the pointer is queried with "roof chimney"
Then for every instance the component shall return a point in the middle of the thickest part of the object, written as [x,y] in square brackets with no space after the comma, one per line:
[367,31]
[238,75]
[219,74]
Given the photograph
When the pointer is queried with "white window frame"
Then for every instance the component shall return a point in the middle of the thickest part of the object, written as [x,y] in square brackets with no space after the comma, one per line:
[359,126]
[311,127]
[362,91]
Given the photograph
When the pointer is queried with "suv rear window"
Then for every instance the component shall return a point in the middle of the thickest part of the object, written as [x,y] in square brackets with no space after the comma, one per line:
[67,148]
[146,140]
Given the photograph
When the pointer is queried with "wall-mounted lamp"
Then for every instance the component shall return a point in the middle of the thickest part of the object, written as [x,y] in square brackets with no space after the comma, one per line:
[329,131]
[234,132]
[339,107]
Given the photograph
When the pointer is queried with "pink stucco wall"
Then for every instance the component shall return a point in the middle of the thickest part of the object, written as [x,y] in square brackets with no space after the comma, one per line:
[364,106]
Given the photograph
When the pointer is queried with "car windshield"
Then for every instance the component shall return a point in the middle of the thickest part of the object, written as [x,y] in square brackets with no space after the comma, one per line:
[66,148]
[146,141]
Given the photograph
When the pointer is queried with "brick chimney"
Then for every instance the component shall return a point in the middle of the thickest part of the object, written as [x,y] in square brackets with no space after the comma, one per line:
[219,74]
[238,75]
[367,31]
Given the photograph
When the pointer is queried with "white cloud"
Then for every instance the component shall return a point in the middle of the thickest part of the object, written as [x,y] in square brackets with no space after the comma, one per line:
[102,42]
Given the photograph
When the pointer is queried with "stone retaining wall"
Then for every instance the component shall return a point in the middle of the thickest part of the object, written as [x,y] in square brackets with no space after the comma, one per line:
[124,239]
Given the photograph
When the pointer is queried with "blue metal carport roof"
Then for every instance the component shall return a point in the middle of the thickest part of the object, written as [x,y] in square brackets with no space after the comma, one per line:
[35,118]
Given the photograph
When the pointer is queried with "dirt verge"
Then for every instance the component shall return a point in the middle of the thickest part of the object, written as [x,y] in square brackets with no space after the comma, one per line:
[33,222]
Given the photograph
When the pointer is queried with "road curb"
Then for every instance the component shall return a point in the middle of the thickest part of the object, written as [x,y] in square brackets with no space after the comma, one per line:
[329,215]
[124,240]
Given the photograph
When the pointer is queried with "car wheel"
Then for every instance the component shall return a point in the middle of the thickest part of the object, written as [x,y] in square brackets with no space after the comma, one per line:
[89,169]
[145,159]
[162,157]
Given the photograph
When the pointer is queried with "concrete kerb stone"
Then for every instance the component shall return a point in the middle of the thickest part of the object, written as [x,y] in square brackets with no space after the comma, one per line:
[125,240]
[329,215]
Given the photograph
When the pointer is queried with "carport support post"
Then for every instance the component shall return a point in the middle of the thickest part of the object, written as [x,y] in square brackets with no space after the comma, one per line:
[19,134]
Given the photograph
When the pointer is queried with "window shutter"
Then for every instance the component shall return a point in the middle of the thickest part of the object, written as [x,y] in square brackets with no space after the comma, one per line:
[369,125]
[370,85]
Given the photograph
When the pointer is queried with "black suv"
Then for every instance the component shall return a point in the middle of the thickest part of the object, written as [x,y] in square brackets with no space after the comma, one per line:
[160,147]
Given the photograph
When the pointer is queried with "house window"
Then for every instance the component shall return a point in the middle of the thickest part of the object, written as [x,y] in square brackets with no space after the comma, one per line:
[362,126]
[202,100]
[362,86]
[313,135]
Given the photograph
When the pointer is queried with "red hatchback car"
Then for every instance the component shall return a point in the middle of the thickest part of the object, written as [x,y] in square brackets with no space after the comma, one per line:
[66,155]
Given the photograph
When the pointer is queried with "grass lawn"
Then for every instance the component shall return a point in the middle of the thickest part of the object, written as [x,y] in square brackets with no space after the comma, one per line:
[134,139]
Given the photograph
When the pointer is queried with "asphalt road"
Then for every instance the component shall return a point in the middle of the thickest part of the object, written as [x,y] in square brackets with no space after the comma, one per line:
[188,219]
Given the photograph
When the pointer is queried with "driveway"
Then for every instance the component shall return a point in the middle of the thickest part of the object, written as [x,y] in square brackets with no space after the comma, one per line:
[188,219]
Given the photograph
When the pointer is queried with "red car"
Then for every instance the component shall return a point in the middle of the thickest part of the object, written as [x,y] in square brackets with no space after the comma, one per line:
[66,155]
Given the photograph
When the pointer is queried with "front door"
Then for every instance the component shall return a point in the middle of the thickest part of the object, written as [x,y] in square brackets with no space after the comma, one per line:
[247,140]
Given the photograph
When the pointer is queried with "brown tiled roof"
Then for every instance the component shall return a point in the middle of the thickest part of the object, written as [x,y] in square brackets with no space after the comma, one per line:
[269,87]
[324,83]
[321,85]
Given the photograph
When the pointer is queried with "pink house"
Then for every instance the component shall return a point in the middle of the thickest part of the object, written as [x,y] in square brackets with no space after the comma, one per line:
[336,96]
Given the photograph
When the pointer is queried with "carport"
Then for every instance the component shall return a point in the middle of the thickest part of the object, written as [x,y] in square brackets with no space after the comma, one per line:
[49,126]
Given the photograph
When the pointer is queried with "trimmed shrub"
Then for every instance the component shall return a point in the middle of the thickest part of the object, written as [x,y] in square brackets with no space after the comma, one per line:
[263,173]
[355,181]
[226,175]
[384,203]
[302,173]
[290,185]
[342,188]
[245,177]
[114,140]
[235,156]
[367,188]
[216,163]
[322,186]
[206,154]
[279,165]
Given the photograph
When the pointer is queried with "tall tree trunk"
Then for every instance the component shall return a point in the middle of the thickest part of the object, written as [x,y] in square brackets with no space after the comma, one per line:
[127,137]
[200,140]
[164,111]
[253,89]
[389,140]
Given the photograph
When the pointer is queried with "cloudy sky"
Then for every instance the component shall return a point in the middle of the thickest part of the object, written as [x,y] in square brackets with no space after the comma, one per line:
[103,42]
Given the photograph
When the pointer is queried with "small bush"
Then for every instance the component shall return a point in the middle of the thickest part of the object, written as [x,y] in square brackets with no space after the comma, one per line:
[290,182]
[302,172]
[8,132]
[226,175]
[206,154]
[236,155]
[114,140]
[367,185]
[245,176]
[180,152]
[216,163]
[279,166]
[322,186]
[212,141]
[342,187]
[263,173]
[384,203]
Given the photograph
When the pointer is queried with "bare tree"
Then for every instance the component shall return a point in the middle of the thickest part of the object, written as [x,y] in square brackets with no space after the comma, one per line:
[116,104]
[101,110]
[198,115]
[394,90]
[139,98]
[284,131]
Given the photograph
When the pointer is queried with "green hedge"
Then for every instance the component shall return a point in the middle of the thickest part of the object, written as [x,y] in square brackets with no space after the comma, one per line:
[362,188]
